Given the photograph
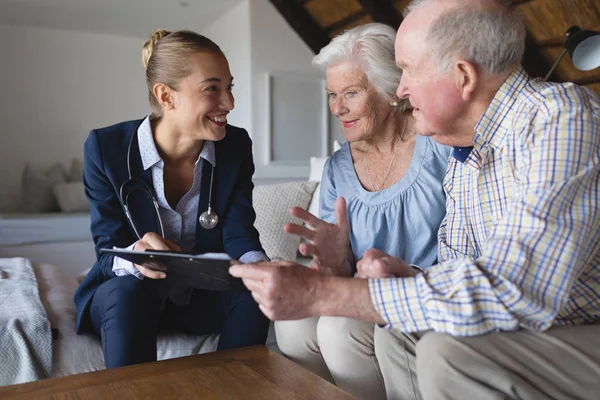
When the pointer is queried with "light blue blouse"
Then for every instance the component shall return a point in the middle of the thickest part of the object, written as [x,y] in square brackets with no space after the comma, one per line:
[402,220]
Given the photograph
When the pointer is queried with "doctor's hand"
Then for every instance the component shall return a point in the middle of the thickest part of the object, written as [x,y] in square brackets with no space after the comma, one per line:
[329,243]
[378,264]
[153,241]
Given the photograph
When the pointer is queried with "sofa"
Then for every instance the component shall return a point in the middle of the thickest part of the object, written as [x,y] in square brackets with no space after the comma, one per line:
[72,353]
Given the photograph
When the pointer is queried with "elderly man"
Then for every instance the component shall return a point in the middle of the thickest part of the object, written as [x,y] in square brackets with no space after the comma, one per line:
[513,308]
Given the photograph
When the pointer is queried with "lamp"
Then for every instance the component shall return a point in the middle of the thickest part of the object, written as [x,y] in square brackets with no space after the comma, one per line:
[583,47]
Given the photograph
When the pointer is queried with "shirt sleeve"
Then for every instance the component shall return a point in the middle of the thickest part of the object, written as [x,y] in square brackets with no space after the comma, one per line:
[122,267]
[533,255]
[253,256]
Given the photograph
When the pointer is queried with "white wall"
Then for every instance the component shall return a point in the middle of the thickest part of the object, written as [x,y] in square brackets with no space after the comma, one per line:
[57,86]
[232,33]
[256,39]
[275,48]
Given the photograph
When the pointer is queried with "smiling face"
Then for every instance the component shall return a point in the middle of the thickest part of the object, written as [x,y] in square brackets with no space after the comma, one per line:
[359,107]
[204,98]
[437,104]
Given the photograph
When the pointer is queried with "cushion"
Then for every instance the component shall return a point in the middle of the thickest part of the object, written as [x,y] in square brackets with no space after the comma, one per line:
[272,204]
[336,146]
[36,189]
[71,196]
[317,164]
[76,171]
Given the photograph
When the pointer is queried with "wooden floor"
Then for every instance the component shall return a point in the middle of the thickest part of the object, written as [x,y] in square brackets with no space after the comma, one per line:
[249,373]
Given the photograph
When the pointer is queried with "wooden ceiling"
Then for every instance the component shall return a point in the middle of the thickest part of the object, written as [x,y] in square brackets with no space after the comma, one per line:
[318,21]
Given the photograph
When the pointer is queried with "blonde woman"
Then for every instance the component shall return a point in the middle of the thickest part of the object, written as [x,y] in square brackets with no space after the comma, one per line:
[165,170]
[382,190]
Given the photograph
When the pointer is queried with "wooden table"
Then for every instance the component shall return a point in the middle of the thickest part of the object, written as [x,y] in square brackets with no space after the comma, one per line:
[248,373]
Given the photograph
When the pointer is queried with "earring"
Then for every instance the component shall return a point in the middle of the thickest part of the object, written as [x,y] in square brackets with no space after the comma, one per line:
[394,103]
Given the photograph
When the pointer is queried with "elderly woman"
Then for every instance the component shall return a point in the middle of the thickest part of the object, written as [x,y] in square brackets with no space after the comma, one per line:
[382,190]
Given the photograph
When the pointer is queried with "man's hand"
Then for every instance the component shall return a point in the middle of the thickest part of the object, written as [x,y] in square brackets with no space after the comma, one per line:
[377,264]
[329,243]
[153,241]
[283,290]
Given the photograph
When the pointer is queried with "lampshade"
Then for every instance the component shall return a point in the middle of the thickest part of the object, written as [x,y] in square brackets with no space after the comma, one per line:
[584,48]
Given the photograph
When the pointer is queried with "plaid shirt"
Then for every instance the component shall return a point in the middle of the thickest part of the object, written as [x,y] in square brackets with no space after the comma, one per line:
[520,244]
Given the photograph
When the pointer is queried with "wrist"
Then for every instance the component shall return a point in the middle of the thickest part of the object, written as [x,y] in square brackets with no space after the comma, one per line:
[344,297]
[332,295]
[345,269]
[321,294]
[416,269]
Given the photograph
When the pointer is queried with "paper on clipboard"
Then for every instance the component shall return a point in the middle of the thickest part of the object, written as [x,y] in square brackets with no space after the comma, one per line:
[209,271]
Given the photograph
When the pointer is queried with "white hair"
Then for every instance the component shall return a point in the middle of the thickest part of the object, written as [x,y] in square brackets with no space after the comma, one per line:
[371,46]
[491,37]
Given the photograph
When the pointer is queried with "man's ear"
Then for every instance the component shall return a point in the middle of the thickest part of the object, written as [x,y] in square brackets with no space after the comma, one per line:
[465,78]
[164,96]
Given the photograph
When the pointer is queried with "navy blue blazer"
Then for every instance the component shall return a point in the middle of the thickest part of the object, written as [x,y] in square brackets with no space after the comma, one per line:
[105,170]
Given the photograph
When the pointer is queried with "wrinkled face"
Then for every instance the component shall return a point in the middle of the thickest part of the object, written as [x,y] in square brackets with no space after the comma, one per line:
[204,97]
[434,96]
[360,108]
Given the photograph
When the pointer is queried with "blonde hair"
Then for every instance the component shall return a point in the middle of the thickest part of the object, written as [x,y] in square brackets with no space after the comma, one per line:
[166,57]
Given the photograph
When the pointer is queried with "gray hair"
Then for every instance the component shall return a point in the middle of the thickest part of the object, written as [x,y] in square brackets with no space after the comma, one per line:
[491,37]
[372,47]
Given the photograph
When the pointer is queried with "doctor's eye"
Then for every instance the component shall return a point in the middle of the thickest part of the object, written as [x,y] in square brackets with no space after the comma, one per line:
[211,89]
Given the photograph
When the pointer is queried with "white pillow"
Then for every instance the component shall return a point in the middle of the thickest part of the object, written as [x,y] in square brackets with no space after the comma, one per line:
[336,146]
[76,171]
[36,188]
[272,204]
[317,164]
[71,196]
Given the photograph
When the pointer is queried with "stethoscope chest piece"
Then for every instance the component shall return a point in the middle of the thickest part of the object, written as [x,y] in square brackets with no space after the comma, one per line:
[208,219]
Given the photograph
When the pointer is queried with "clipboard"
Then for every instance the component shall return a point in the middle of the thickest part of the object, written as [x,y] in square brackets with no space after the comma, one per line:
[209,271]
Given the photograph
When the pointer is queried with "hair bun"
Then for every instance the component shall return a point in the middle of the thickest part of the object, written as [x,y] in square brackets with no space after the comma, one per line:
[156,36]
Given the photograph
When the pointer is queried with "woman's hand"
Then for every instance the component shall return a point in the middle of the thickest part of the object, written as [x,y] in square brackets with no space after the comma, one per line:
[153,241]
[378,264]
[329,243]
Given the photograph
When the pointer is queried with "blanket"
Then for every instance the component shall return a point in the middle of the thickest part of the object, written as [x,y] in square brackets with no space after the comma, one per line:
[25,333]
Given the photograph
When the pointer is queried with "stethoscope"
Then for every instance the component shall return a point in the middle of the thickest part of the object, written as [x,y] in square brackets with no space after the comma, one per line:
[208,219]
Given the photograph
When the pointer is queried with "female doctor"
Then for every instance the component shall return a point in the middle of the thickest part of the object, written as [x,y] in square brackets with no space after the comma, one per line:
[179,179]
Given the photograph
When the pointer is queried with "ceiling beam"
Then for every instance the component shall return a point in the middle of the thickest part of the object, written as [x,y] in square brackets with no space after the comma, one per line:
[383,12]
[557,41]
[345,21]
[517,2]
[303,23]
[533,61]
[585,81]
